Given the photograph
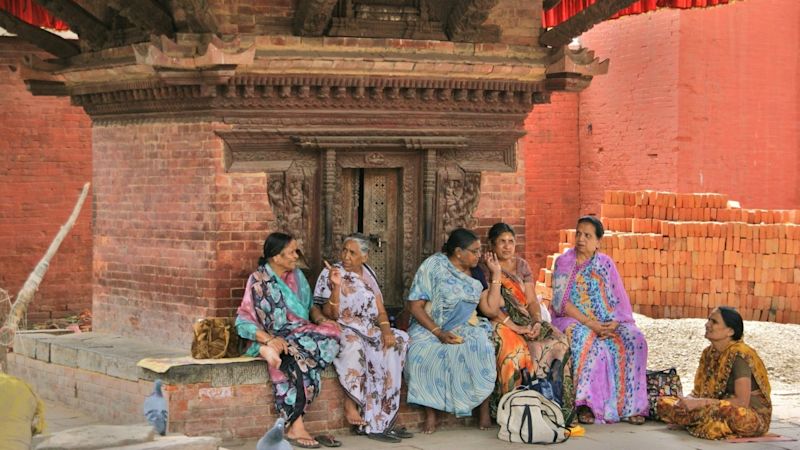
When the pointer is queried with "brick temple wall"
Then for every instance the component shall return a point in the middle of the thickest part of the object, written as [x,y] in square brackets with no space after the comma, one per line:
[45,158]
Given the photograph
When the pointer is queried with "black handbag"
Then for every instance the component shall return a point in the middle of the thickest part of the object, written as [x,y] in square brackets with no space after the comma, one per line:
[662,383]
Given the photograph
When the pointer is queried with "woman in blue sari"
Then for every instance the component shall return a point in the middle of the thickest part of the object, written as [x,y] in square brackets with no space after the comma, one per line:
[283,326]
[451,363]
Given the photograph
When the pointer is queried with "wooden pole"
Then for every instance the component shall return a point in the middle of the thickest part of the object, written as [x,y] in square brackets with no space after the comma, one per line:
[25,295]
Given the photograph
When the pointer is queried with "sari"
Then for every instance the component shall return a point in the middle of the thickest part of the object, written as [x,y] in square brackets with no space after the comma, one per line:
[280,306]
[713,380]
[515,352]
[370,375]
[609,374]
[454,378]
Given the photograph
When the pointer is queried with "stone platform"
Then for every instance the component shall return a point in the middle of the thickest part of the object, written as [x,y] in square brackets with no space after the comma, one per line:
[98,374]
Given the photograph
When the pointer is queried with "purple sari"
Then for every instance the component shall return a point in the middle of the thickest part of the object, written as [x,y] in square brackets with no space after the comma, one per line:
[609,373]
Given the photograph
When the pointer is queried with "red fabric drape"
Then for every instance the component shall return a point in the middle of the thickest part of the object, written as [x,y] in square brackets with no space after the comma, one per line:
[568,8]
[33,14]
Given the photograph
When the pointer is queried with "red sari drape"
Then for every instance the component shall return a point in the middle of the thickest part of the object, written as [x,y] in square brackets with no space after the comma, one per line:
[33,14]
[568,8]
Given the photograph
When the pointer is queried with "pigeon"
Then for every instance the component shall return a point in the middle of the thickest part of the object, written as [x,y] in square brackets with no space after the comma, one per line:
[155,409]
[273,438]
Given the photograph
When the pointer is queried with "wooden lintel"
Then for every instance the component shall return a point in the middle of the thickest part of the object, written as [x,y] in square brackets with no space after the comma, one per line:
[145,14]
[49,42]
[563,33]
[312,17]
[49,88]
[91,30]
[466,18]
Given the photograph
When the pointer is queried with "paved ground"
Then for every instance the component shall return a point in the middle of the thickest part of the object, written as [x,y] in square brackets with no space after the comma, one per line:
[652,436]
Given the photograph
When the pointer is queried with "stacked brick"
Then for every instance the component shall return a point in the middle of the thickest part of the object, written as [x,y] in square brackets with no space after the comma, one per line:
[681,255]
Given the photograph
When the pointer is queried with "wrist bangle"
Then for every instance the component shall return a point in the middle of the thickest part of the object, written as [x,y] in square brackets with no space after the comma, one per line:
[506,319]
[333,303]
[433,331]
[497,282]
[384,323]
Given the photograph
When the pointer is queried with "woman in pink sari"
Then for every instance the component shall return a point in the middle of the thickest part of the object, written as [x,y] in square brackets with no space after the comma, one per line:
[609,353]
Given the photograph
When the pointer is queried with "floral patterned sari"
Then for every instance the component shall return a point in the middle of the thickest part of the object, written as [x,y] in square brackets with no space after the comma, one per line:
[712,379]
[369,374]
[280,306]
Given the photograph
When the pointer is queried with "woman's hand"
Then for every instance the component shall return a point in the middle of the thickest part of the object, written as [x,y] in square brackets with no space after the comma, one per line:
[534,331]
[272,357]
[278,344]
[389,340]
[334,275]
[608,329]
[690,403]
[447,337]
[494,265]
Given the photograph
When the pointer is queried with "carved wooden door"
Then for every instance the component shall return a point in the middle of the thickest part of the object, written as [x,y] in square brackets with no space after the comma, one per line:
[381,222]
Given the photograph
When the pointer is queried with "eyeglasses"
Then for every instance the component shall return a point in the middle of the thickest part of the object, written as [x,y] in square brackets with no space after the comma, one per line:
[474,251]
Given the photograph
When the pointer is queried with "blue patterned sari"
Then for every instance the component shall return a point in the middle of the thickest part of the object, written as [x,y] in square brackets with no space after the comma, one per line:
[451,378]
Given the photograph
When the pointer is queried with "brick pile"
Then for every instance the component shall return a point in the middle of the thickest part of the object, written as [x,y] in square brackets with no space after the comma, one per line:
[681,255]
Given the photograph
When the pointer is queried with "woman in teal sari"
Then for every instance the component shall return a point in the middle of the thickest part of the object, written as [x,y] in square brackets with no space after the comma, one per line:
[451,363]
[277,316]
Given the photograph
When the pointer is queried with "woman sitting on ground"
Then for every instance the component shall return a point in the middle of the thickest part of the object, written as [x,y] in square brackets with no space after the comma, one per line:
[451,364]
[522,339]
[609,353]
[731,388]
[294,337]
[370,362]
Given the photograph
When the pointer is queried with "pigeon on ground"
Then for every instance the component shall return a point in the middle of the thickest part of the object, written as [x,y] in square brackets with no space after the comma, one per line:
[155,409]
[273,439]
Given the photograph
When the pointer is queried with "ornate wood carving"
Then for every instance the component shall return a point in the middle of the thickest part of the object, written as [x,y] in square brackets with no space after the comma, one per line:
[380,142]
[148,15]
[91,30]
[329,197]
[563,33]
[312,17]
[428,202]
[466,18]
[42,39]
[193,16]
[573,70]
[408,19]
[289,199]
[459,195]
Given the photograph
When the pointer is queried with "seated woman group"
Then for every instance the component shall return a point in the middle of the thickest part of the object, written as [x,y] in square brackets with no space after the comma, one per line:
[476,323]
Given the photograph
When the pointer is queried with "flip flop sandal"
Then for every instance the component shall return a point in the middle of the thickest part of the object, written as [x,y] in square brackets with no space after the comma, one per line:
[327,440]
[384,437]
[634,420]
[357,430]
[298,444]
[585,416]
[401,433]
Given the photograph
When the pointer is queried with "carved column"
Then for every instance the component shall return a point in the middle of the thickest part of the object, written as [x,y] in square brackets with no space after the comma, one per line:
[428,199]
[328,195]
[459,195]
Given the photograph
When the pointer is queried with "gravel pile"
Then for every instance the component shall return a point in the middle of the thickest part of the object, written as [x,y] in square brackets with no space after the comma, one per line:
[679,342]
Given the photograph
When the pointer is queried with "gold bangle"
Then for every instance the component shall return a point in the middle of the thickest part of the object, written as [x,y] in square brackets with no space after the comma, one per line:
[506,319]
[381,323]
[433,331]
[497,282]
[333,303]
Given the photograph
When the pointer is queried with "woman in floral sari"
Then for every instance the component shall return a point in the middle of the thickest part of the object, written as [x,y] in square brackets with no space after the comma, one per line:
[294,337]
[450,364]
[609,353]
[370,363]
[731,396]
[522,339]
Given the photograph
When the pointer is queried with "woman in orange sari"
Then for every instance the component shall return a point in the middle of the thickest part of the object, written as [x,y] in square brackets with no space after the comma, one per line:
[522,339]
[731,388]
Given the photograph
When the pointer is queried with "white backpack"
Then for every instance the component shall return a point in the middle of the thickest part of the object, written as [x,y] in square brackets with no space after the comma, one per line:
[526,416]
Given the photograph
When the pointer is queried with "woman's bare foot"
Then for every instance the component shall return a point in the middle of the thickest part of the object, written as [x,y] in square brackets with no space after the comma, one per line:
[351,413]
[430,421]
[297,432]
[484,419]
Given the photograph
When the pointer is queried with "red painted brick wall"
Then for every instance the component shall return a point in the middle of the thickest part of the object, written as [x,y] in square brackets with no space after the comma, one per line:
[552,185]
[45,158]
[702,100]
[175,236]
[739,102]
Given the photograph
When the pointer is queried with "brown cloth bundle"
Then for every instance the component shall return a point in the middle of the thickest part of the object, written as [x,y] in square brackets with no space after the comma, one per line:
[214,338]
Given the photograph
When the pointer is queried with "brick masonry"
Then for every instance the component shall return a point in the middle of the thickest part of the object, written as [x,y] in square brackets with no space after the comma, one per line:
[44,161]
